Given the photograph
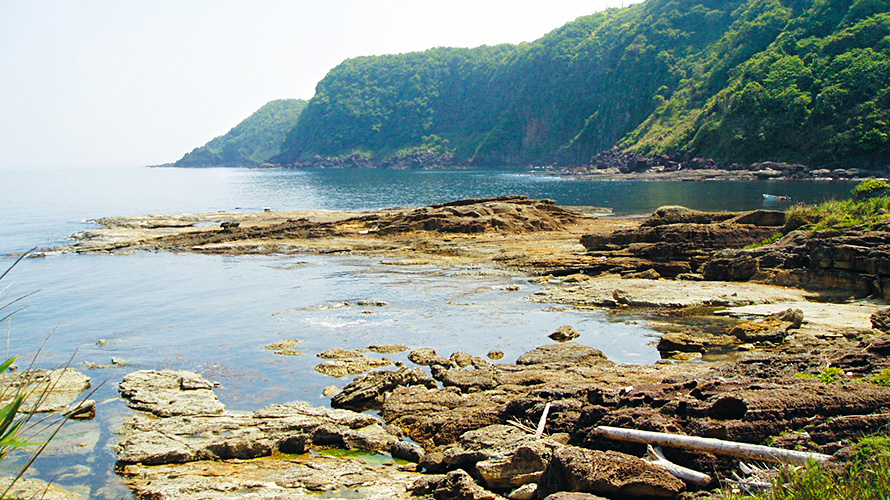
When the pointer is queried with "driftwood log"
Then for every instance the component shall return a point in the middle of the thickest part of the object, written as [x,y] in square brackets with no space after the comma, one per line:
[678,471]
[694,443]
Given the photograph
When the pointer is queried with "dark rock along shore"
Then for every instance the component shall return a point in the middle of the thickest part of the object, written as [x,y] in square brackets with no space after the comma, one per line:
[462,413]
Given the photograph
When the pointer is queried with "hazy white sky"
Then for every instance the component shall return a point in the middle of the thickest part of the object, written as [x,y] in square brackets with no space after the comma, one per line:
[138,82]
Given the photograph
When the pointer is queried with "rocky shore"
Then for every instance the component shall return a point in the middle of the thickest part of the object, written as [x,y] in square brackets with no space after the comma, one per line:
[795,332]
[615,164]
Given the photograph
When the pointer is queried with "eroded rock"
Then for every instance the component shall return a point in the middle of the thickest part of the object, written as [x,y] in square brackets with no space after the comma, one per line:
[612,474]
[343,367]
[565,354]
[457,484]
[426,356]
[368,391]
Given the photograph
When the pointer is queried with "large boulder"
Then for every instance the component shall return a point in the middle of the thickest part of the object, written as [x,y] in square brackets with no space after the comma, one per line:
[610,474]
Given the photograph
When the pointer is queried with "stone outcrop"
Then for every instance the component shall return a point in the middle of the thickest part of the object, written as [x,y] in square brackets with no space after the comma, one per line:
[367,392]
[477,215]
[251,448]
[342,367]
[676,240]
[854,262]
[612,474]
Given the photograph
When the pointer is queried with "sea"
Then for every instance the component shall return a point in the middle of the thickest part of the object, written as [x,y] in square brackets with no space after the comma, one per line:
[217,315]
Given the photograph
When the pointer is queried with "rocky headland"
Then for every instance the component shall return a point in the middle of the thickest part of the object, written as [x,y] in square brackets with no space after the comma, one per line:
[795,332]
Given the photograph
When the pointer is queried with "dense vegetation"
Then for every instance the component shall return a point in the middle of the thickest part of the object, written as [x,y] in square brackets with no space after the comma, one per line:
[251,142]
[735,80]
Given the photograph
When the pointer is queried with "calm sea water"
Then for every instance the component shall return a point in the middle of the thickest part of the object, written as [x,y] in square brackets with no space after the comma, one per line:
[216,314]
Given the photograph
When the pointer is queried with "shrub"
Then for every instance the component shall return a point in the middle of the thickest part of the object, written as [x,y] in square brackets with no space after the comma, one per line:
[869,188]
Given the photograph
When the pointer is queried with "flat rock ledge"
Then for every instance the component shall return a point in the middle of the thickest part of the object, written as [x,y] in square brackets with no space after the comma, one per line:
[186,445]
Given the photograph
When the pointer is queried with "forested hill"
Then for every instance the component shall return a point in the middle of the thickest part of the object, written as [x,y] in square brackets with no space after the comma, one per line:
[251,142]
[734,80]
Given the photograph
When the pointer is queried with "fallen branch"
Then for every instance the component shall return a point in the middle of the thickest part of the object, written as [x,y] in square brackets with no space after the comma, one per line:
[542,422]
[687,475]
[731,448]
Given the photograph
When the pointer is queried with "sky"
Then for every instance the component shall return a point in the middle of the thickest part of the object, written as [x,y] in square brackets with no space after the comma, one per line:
[136,82]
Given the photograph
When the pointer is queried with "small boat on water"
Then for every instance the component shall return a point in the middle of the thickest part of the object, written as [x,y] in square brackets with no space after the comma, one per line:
[776,197]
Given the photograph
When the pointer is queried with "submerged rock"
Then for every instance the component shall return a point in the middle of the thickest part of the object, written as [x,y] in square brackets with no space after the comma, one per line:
[46,390]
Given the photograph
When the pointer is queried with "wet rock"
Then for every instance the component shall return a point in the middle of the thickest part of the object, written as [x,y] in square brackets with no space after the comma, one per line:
[367,392]
[564,334]
[330,391]
[388,348]
[426,356]
[371,303]
[565,354]
[273,478]
[351,366]
[283,428]
[411,452]
[611,474]
[36,488]
[693,341]
[85,410]
[47,390]
[495,354]
[456,484]
[285,347]
[168,392]
[341,353]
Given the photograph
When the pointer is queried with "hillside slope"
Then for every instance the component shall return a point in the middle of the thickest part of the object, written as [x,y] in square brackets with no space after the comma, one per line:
[734,80]
[251,142]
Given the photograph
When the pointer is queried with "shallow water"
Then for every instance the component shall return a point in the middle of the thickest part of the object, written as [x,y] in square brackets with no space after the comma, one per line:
[216,314]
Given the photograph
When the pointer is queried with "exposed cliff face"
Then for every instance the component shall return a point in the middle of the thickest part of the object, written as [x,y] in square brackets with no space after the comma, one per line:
[855,262]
